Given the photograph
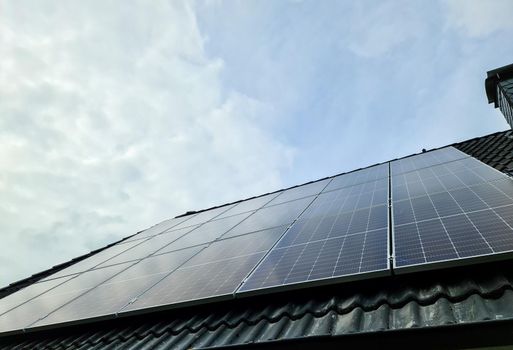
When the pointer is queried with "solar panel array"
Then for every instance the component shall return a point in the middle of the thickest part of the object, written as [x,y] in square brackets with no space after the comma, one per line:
[343,233]
[426,210]
[199,256]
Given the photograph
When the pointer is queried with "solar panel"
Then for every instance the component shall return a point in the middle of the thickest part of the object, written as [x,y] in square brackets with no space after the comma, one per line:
[272,216]
[207,232]
[204,216]
[15,299]
[300,192]
[343,233]
[94,260]
[450,211]
[249,205]
[161,227]
[149,246]
[111,296]
[425,160]
[216,271]
[377,172]
[37,308]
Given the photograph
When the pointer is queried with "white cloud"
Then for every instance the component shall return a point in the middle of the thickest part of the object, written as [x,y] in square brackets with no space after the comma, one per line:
[112,117]
[377,28]
[477,18]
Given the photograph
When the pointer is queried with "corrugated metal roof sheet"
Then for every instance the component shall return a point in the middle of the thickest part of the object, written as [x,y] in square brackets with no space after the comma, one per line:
[454,297]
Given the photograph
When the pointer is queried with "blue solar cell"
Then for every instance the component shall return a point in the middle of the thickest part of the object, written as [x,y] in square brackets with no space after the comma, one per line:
[208,232]
[408,246]
[423,208]
[467,240]
[272,216]
[35,309]
[340,234]
[151,245]
[15,299]
[161,227]
[114,294]
[425,160]
[216,270]
[95,260]
[204,216]
[299,192]
[506,214]
[450,211]
[326,259]
[377,173]
[496,231]
[445,204]
[249,205]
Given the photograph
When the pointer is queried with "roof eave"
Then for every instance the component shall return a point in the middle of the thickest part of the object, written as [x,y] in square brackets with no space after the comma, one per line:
[493,78]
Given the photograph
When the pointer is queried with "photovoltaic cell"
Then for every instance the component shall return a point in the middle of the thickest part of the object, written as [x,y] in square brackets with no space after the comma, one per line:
[248,205]
[215,271]
[272,216]
[160,227]
[426,160]
[377,172]
[300,192]
[114,294]
[149,246]
[94,260]
[204,216]
[338,213]
[15,299]
[35,309]
[343,232]
[207,232]
[449,211]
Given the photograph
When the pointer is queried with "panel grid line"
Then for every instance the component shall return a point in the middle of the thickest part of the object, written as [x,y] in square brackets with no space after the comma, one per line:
[366,230]
[343,245]
[452,189]
[449,198]
[304,247]
[466,215]
[416,225]
[491,208]
[324,244]
[329,233]
[458,214]
[394,173]
[237,289]
[434,206]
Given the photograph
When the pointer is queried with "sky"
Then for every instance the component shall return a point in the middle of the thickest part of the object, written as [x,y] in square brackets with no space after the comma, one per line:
[116,115]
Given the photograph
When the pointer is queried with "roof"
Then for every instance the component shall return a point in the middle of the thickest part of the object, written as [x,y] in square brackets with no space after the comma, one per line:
[462,297]
[493,78]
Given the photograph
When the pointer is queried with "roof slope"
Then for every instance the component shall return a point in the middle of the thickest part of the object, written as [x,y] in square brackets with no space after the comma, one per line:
[458,296]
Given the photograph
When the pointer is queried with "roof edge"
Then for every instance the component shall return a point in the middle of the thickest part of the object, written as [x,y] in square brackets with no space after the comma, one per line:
[493,78]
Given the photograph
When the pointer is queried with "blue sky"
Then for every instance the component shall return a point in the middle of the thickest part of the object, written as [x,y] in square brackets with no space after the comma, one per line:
[117,115]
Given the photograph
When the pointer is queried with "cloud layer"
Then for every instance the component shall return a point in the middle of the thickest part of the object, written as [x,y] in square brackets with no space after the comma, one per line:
[115,115]
[113,118]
